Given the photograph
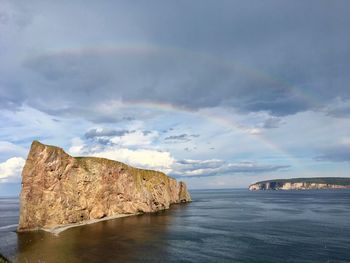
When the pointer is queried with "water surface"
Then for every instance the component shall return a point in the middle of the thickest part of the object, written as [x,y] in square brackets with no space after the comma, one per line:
[218,226]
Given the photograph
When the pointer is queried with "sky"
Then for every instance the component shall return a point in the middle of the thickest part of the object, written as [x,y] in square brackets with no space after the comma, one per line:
[218,94]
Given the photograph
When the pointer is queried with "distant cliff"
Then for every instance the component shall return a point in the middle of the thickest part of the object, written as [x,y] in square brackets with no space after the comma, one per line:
[302,184]
[58,189]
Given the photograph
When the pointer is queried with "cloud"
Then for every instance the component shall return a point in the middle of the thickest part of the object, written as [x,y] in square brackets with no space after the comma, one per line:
[104,132]
[200,164]
[11,148]
[272,122]
[206,59]
[337,153]
[253,131]
[227,70]
[143,158]
[135,138]
[123,137]
[10,170]
[338,108]
[77,146]
[201,168]
[181,138]
[132,147]
[146,156]
[155,83]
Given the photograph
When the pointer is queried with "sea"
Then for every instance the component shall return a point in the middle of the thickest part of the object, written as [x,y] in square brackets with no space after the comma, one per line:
[231,225]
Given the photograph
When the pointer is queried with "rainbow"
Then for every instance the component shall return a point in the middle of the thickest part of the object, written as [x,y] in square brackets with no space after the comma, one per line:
[147,49]
[213,118]
[171,51]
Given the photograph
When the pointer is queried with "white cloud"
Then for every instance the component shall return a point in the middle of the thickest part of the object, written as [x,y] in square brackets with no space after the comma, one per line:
[135,138]
[253,131]
[8,147]
[143,158]
[77,146]
[11,169]
[345,141]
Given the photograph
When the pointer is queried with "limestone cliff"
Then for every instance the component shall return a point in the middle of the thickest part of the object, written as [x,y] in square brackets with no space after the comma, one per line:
[302,184]
[58,189]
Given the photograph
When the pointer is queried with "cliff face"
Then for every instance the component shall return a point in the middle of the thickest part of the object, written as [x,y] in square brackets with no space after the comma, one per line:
[299,185]
[58,189]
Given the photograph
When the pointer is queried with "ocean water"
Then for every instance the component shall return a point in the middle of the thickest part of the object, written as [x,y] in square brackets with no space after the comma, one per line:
[218,226]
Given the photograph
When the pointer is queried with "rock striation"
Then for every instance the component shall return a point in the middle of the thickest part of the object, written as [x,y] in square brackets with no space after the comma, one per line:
[302,184]
[58,189]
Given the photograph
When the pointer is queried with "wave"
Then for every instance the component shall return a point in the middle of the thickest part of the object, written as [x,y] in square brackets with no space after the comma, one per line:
[8,226]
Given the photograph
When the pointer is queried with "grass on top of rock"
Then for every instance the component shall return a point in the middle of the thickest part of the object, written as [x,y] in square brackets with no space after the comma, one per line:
[149,177]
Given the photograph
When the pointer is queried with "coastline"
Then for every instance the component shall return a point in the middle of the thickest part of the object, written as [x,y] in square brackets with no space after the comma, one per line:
[59,229]
[310,183]
[144,238]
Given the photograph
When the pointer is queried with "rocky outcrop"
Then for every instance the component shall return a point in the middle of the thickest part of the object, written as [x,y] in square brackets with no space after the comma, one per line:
[58,189]
[3,259]
[302,184]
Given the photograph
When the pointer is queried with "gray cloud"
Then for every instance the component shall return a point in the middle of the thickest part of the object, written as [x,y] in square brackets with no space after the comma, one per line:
[199,168]
[272,122]
[181,138]
[93,133]
[280,56]
[11,95]
[105,136]
[198,164]
[338,108]
[338,153]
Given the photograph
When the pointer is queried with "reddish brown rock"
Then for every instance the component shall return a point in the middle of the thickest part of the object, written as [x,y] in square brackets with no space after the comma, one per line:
[58,189]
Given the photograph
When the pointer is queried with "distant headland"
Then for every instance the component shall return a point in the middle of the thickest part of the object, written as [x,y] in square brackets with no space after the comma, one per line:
[302,184]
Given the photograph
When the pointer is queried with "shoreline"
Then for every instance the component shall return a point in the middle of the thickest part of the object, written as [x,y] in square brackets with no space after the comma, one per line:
[299,189]
[59,229]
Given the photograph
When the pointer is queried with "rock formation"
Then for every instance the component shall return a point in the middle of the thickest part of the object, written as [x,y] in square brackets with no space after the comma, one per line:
[302,184]
[58,189]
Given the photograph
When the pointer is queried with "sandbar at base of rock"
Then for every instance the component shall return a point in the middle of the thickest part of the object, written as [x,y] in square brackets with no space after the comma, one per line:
[60,229]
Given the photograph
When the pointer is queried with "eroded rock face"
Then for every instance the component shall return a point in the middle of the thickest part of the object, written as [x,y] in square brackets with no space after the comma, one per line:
[276,185]
[58,189]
